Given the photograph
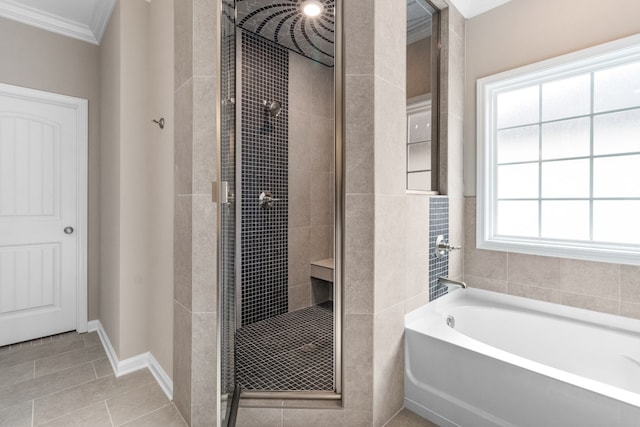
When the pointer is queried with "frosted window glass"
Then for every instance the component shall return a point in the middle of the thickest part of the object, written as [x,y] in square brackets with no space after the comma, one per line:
[567,138]
[565,220]
[419,156]
[517,218]
[518,144]
[617,132]
[419,181]
[420,127]
[518,181]
[616,176]
[518,107]
[565,179]
[617,87]
[566,98]
[616,221]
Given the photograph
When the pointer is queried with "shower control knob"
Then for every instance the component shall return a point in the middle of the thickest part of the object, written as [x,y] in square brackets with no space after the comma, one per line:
[442,248]
[68,230]
[266,200]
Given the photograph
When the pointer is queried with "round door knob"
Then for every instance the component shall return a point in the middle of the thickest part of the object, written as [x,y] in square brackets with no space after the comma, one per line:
[68,230]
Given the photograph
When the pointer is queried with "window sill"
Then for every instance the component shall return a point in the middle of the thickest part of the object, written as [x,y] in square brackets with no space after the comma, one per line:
[597,253]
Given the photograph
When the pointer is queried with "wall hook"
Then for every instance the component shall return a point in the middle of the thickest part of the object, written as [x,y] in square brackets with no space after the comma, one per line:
[159,122]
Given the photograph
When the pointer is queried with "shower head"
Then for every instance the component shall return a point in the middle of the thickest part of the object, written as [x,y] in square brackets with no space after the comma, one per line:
[274,107]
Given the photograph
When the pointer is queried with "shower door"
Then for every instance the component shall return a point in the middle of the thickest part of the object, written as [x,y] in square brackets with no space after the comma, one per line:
[280,203]
[226,124]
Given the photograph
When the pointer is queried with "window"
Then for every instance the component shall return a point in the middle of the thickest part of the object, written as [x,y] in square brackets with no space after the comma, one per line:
[559,156]
[419,146]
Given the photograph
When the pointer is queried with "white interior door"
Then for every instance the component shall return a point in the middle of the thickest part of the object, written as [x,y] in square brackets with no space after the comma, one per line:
[43,139]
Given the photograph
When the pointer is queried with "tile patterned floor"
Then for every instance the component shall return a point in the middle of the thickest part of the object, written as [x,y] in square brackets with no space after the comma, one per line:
[292,351]
[66,380]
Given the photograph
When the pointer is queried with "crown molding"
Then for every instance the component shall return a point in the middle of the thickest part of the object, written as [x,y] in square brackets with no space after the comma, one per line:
[90,32]
[471,8]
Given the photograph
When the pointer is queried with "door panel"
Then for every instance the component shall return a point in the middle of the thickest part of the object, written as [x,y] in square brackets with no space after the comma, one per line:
[39,262]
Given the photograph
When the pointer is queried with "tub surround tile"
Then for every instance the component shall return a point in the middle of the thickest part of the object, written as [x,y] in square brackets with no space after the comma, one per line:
[417,252]
[486,284]
[630,283]
[587,302]
[390,46]
[630,309]
[586,277]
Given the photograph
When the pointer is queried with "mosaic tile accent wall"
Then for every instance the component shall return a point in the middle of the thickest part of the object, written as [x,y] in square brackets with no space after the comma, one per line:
[265,157]
[438,224]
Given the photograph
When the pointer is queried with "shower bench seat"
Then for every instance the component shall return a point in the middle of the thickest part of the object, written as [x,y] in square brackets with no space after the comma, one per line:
[322,269]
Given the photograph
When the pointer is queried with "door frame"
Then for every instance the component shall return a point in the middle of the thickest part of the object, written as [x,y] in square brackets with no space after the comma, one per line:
[81,107]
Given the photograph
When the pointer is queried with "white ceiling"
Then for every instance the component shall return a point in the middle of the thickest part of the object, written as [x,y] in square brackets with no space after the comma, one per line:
[85,20]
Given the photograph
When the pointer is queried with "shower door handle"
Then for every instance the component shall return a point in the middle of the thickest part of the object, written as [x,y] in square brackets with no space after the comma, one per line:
[266,200]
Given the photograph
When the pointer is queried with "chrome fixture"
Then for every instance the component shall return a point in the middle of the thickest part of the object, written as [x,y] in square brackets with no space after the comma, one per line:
[442,248]
[274,107]
[68,230]
[447,281]
[159,122]
[451,321]
[266,200]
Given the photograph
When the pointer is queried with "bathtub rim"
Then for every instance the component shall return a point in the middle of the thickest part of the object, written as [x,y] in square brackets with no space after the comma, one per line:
[430,320]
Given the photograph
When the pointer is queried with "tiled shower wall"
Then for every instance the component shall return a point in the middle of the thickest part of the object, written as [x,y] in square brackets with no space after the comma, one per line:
[311,177]
[265,159]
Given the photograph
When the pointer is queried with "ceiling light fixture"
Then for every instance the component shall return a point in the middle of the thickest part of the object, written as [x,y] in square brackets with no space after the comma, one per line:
[312,8]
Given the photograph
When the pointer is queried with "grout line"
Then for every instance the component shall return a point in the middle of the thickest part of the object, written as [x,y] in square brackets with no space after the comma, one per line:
[144,415]
[94,369]
[34,370]
[109,413]
[33,412]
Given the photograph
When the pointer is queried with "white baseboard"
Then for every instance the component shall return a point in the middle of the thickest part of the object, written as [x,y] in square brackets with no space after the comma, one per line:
[135,363]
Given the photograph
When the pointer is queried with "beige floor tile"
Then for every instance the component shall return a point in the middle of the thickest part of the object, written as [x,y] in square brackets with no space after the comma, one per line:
[64,402]
[92,416]
[28,352]
[66,360]
[17,416]
[167,416]
[91,339]
[103,368]
[138,402]
[406,418]
[46,384]
[16,374]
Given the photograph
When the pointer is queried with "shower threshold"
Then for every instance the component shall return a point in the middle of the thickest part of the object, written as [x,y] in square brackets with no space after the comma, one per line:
[288,352]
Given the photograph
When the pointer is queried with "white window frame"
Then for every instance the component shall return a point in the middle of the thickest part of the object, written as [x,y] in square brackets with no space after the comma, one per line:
[606,55]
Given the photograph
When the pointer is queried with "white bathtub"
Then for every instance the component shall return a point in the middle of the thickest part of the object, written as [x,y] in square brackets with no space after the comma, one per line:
[511,361]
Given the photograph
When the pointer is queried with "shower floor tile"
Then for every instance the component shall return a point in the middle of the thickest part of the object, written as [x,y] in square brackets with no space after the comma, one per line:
[292,351]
